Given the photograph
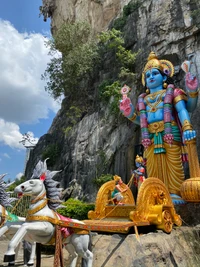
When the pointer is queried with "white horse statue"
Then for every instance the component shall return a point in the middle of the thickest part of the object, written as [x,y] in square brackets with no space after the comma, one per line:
[10,223]
[42,219]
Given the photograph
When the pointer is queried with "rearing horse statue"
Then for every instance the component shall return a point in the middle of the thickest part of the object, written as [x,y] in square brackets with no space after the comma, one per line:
[42,218]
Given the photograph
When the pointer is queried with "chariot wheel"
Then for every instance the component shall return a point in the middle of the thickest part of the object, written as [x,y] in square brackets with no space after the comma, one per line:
[167,223]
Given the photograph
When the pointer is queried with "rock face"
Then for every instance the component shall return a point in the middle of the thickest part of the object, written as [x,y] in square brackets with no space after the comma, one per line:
[180,248]
[101,143]
[98,13]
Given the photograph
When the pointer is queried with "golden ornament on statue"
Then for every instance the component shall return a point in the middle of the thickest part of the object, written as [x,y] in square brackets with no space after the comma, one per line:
[190,188]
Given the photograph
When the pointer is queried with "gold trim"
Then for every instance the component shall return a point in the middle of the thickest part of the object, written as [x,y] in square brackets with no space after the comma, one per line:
[3,216]
[133,117]
[186,126]
[41,206]
[179,98]
[158,99]
[38,198]
[156,127]
[193,94]
[81,231]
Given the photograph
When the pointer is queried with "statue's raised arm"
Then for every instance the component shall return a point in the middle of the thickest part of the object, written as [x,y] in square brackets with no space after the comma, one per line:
[191,84]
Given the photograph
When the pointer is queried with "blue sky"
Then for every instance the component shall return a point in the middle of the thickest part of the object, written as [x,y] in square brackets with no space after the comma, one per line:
[25,106]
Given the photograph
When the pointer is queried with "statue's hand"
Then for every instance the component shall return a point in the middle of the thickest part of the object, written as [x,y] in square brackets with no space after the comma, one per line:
[191,82]
[189,135]
[126,107]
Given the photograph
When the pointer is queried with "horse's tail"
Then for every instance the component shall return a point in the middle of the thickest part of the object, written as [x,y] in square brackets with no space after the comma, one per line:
[84,261]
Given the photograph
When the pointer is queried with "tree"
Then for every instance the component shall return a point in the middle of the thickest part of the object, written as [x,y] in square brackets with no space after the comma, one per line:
[65,71]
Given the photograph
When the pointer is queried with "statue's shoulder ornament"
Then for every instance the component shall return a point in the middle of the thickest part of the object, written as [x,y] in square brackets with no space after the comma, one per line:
[179,94]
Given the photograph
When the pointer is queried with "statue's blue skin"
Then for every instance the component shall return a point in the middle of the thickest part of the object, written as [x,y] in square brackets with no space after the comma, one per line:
[154,81]
[137,171]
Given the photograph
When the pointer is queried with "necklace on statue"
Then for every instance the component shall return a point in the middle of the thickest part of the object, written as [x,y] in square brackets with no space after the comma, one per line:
[158,99]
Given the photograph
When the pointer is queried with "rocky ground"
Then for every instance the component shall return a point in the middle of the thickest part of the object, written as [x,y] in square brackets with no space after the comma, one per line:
[47,260]
[155,248]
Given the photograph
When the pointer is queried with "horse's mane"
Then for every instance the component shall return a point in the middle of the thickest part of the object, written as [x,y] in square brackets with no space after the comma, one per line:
[52,191]
[5,199]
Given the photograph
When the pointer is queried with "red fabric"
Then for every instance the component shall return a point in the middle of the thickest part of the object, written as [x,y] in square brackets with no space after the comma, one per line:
[65,231]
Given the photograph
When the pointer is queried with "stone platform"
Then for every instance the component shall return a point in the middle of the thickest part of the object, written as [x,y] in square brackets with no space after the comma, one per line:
[190,213]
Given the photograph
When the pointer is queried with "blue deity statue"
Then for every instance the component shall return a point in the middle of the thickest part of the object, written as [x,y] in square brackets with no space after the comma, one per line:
[163,115]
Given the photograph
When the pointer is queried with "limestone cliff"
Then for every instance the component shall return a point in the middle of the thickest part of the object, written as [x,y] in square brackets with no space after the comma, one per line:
[98,13]
[100,143]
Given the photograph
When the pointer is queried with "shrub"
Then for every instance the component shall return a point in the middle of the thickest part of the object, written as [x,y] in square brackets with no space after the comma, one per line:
[76,209]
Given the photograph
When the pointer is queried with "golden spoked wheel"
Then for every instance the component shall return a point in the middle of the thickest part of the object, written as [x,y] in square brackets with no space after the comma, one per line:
[167,221]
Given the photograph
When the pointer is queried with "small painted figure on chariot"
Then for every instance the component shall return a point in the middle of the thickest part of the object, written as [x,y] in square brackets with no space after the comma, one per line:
[163,115]
[139,173]
[120,188]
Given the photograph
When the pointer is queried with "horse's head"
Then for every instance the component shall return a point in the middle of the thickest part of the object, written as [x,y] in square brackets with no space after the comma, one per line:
[31,187]
[42,182]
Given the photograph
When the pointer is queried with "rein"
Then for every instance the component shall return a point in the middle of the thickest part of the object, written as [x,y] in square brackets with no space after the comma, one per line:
[38,198]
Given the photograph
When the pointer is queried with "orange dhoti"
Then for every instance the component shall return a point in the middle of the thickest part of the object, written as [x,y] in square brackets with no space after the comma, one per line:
[166,166]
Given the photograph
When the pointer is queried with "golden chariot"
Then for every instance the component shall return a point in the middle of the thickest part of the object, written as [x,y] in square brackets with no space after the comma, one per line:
[153,207]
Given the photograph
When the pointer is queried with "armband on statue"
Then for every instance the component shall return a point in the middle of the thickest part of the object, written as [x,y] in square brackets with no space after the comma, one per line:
[187,126]
[193,94]
[133,117]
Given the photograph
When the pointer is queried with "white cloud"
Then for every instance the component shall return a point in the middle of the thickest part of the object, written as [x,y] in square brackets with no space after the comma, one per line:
[10,134]
[23,59]
[6,155]
[19,175]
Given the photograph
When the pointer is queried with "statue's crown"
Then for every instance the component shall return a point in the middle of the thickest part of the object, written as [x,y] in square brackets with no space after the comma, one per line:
[139,159]
[154,63]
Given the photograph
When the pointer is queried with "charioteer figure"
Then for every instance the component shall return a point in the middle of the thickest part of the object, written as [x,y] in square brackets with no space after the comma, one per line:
[163,115]
[119,189]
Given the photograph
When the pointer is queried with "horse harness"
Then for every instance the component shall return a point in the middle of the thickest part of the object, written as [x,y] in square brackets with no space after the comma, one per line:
[3,216]
[77,227]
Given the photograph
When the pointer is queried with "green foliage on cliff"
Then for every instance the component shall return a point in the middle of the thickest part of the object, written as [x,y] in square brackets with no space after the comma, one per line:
[67,73]
[113,41]
[109,91]
[132,6]
[76,209]
[73,116]
[99,181]
[78,53]
[52,152]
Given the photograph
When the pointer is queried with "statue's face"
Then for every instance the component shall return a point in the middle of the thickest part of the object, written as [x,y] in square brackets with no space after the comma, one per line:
[154,79]
[137,164]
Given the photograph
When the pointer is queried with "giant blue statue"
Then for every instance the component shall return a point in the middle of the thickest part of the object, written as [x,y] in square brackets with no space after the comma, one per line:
[163,115]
